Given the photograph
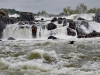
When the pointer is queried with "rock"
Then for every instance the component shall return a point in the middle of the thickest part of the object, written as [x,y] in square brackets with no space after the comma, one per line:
[86,24]
[3,12]
[27,16]
[80,32]
[12,20]
[20,23]
[8,20]
[97,17]
[70,32]
[90,35]
[31,22]
[18,19]
[72,24]
[42,19]
[11,38]
[51,26]
[93,34]
[52,37]
[71,42]
[65,21]
[2,27]
[80,18]
[34,31]
[54,19]
[59,20]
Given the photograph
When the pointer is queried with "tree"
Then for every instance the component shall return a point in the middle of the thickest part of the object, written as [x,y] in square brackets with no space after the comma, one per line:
[65,11]
[94,10]
[43,12]
[81,8]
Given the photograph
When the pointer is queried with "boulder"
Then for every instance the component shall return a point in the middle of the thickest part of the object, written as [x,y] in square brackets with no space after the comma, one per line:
[42,19]
[11,38]
[8,20]
[20,23]
[34,31]
[97,17]
[59,20]
[3,12]
[54,19]
[71,42]
[93,34]
[80,18]
[51,26]
[2,27]
[27,16]
[52,37]
[72,24]
[65,21]
[31,22]
[70,32]
[80,32]
[86,24]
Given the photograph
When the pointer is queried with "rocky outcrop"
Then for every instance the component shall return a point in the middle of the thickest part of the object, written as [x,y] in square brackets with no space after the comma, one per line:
[71,32]
[59,20]
[80,32]
[86,24]
[93,34]
[8,20]
[51,26]
[71,42]
[34,31]
[3,12]
[5,18]
[80,18]
[2,27]
[72,24]
[11,38]
[42,19]
[52,37]
[97,17]
[65,21]
[54,19]
[26,16]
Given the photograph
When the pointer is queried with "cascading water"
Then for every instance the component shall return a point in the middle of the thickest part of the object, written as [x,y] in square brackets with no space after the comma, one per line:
[25,32]
[49,57]
[18,32]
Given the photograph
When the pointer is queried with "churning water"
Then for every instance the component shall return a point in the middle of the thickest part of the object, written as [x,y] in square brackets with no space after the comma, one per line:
[48,57]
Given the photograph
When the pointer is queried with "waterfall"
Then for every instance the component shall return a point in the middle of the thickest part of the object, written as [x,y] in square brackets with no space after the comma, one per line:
[18,32]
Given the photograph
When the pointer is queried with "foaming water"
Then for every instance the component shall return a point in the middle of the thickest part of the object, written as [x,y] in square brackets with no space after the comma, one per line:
[39,56]
[18,32]
[49,57]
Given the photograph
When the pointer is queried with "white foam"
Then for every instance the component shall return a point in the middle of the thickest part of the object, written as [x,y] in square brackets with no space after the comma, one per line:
[14,15]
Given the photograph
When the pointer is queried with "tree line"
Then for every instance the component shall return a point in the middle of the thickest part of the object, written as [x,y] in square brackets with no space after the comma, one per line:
[80,8]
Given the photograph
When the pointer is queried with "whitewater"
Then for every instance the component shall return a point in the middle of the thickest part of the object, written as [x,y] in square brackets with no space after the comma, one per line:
[41,56]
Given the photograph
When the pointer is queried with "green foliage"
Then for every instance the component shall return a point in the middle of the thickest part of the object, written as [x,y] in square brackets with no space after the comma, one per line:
[13,11]
[94,10]
[81,8]
[65,11]
[42,12]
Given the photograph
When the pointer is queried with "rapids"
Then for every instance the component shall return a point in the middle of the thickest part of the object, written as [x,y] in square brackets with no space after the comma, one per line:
[39,56]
